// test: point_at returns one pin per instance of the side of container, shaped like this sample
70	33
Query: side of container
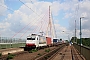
48	39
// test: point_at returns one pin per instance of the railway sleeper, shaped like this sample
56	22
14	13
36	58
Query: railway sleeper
48	55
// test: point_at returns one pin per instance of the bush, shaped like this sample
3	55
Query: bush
0	54
10	56
46	57
48	50
30	51
33	50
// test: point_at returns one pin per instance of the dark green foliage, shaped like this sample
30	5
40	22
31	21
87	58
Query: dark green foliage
85	41
30	51
33	50
72	39
0	54
46	57
10	56
47	50
78	41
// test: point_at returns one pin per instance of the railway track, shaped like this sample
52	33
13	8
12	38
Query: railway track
59	51
61	54
76	55
51	54
19	55
67	53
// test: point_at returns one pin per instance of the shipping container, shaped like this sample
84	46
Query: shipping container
48	39
42	39
55	40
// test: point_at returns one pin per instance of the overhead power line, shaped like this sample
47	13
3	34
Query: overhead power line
7	8
29	28
28	7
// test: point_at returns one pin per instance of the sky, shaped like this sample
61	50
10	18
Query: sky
19	18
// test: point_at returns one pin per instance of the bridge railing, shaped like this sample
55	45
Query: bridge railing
6	42
85	51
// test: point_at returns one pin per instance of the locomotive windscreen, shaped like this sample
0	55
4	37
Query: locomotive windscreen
31	38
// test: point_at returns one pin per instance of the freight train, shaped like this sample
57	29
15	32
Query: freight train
36	41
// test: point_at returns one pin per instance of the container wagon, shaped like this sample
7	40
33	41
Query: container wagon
55	41
49	42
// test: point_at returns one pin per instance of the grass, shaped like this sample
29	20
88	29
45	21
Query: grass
4	46
47	50
33	50
46	57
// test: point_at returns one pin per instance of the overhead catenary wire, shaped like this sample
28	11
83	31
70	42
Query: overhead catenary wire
7	8
53	26
19	30
38	27
45	22
27	24
23	27
27	30
76	16
44	25
29	7
42	22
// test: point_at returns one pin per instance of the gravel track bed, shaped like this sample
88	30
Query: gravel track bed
32	56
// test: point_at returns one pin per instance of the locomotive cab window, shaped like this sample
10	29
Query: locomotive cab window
28	38
31	38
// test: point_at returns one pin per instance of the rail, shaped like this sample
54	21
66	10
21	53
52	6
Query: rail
83	50
48	55
75	54
55	54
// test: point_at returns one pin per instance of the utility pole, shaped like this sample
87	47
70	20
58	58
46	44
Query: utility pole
75	32
80	31
80	35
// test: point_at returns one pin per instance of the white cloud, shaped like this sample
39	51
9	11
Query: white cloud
26	1
56	7
4	25
83	11
2	8
62	32
32	19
